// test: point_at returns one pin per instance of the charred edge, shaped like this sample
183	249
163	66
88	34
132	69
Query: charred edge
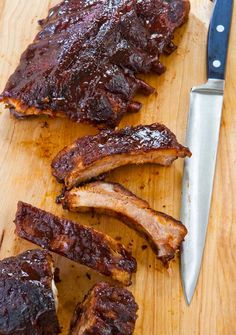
134	107
60	197
2	238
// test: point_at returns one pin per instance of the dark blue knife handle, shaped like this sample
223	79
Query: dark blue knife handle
218	38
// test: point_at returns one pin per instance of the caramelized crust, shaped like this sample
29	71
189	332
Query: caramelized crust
81	244
82	64
163	232
27	299
90	156
106	310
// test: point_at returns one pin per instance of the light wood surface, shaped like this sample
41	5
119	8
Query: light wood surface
27	147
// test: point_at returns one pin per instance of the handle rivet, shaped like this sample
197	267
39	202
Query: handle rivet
216	63
220	28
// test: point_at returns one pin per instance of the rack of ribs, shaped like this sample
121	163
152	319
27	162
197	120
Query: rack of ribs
106	310
91	156
163	232
28	295
83	62
79	243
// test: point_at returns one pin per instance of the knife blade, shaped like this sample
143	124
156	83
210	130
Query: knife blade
206	102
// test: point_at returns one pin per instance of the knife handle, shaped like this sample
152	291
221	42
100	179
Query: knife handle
218	38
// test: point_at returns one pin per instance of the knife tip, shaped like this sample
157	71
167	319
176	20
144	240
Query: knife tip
190	268
188	283
188	293
188	299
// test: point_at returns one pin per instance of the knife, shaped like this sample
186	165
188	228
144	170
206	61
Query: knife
206	102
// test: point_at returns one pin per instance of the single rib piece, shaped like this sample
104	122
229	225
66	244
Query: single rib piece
163	232
81	244
90	156
82	64
106	310
28	295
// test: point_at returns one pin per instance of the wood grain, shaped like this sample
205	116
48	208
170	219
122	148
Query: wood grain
27	147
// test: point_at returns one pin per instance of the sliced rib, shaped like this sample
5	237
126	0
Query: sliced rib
90	156
82	64
106	310
81	244
28	295
163	232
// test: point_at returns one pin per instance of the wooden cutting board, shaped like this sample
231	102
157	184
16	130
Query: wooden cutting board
27	147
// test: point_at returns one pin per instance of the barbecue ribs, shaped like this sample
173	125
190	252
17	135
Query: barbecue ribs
81	244
83	62
164	233
106	310
28	295
90	156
